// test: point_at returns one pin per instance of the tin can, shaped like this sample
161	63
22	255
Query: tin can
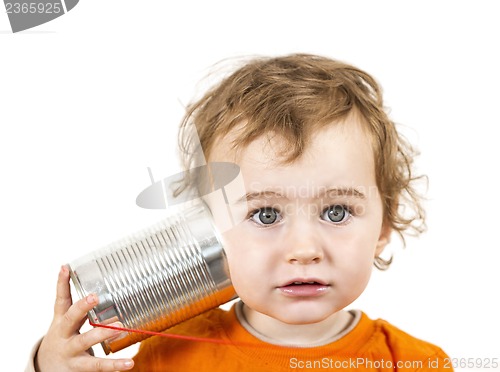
156	278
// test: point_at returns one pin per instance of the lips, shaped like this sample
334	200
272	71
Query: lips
301	281
304	287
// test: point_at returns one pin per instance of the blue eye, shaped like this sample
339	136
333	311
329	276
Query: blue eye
337	214
266	216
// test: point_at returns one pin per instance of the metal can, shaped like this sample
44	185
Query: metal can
157	278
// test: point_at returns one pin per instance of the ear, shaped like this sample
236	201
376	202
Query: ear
383	239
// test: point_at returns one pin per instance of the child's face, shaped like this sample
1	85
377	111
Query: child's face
317	220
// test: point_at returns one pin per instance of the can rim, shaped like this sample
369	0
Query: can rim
91	314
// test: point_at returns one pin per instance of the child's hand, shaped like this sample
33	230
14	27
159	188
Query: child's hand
64	348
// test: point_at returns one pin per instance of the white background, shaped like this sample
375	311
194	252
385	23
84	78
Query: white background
90	100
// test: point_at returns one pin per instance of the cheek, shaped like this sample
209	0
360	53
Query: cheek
355	245
246	275
250	261
353	259
242	256
247	249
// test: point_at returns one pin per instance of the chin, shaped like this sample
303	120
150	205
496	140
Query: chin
299	316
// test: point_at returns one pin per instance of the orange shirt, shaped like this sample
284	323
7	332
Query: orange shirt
372	345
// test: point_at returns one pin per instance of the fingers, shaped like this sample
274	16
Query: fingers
103	365
63	294
64	348
95	336
70	317
73	317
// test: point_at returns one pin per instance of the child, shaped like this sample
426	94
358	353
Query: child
325	172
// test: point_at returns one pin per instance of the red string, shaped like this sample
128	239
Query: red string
199	339
171	335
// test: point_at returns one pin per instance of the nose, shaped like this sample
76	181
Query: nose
304	246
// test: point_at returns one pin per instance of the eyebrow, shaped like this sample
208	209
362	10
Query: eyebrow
267	194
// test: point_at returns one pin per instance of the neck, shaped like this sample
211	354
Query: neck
274	331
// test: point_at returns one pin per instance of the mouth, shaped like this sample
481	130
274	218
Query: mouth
304	288
304	281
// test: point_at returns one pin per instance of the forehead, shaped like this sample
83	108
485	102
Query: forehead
337	155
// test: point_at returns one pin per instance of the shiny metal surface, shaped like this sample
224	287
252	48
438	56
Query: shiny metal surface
166	274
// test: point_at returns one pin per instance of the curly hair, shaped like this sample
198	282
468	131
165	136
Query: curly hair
295	95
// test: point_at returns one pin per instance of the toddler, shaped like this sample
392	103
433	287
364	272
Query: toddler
325	175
